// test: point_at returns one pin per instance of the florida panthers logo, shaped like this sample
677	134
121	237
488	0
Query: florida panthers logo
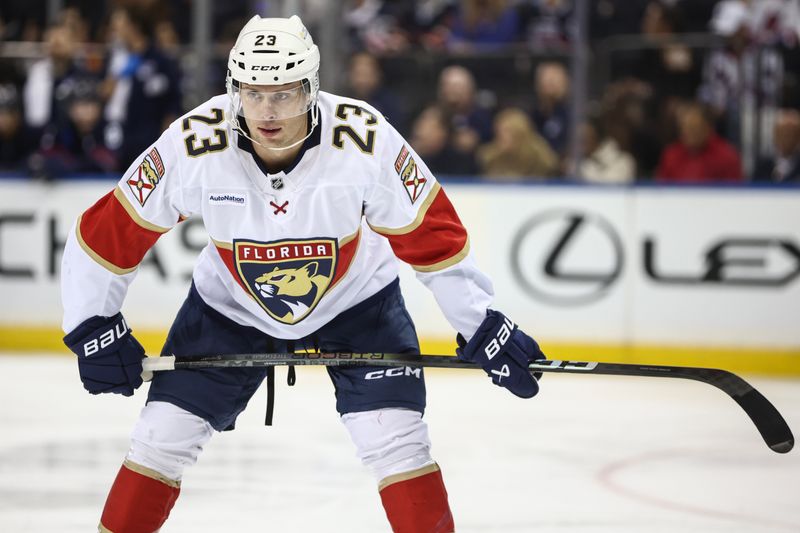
413	180
287	278
147	176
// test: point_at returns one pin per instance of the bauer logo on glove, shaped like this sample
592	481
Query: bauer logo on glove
106	339
109	358
503	351
500	339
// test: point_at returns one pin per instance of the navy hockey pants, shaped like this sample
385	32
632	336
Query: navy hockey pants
378	324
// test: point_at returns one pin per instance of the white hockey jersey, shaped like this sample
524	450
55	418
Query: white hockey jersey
287	252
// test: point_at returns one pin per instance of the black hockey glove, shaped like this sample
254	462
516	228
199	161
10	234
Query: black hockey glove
503	351
109	358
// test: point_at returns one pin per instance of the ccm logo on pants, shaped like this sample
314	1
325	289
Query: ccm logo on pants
395	372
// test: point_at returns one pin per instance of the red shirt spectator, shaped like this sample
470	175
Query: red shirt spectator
700	155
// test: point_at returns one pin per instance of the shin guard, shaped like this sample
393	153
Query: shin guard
139	501
416	502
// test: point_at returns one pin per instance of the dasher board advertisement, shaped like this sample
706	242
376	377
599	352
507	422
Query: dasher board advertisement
681	266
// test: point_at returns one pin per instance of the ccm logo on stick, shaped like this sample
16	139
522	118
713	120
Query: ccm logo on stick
395	372
500	339
106	339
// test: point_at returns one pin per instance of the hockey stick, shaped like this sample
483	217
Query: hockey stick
765	416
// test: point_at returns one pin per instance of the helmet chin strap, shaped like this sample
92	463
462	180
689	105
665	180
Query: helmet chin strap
314	121
275	148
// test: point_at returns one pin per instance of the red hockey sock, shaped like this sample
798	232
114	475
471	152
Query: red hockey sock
416	502
139	501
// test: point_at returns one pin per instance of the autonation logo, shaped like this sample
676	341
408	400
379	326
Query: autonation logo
227	199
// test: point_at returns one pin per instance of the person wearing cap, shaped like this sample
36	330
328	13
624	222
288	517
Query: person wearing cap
309	199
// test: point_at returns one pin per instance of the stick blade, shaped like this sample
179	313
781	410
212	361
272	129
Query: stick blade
768	421
783	447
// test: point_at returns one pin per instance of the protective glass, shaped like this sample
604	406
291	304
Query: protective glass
264	102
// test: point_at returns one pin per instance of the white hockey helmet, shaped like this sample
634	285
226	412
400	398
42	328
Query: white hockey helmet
273	51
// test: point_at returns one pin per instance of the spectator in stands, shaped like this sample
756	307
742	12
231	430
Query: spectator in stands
723	86
483	24
750	70
143	83
548	23
629	121
602	160
696	14
71	19
517	150
77	145
15	144
430	138
46	75
700	155
166	38
365	81
615	17
470	123
22	20
429	22
784	167
670	67
11	72
372	25
87	18
550	111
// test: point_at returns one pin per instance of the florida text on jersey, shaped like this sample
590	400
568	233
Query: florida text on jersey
287	251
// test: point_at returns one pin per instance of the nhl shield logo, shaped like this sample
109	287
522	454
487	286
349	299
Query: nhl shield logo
287	278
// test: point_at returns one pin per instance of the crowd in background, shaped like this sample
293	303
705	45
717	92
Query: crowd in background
480	88
84	109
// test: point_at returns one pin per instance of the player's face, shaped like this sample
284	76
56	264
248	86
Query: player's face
275	114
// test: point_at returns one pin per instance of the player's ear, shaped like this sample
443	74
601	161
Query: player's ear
311	269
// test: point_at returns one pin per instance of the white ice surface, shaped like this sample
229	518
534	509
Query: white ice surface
589	454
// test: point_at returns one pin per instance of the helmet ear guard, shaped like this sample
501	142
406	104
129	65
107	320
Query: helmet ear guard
273	51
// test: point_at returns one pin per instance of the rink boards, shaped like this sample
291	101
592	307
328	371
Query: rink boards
706	276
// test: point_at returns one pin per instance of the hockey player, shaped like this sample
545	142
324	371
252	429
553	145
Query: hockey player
307	198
